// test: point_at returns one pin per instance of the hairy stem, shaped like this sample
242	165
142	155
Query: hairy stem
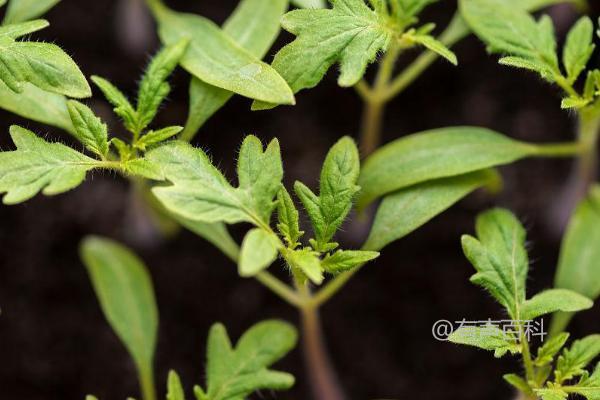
589	127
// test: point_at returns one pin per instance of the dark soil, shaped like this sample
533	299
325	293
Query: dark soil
55	343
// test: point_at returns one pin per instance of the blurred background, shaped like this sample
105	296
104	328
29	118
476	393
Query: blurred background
54	341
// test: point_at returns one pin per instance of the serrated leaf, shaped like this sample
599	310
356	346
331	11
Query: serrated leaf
307	262
578	48
553	300
574	359
154	87
552	393
25	10
288	218
234	373
122	106
45	65
499	256
550	349
574	102
174	388
254	25
259	250
155	137
486	338
434	154
588	386
434	45
125	292
214	57
345	260
37	165
406	210
579	262
89	129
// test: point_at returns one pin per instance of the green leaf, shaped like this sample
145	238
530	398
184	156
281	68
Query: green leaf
89	129
288	218
307	262
310	3
518	383
345	260
574	102
499	256
259	250
439	153
404	211
38	105
434	45
14	31
37	165
174	388
553	300
45	65
510	30
338	188
25	10
215	58
254	25
578	48
123	107
234	373
486	338
155	137
552	393
573	360
351	34
124	289
550	349
154	87
409	9
588	386
579	262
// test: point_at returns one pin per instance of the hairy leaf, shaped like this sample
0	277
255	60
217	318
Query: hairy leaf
310	3
89	129
155	137
259	250
122	106
288	218
574	359
486	338
553	300
25	10
306	261
37	165
518	383
174	388
234	373
434	45
124	289
345	260
550	349
578	48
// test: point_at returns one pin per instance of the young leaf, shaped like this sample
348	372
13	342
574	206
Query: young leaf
25	10
307	262
578	48
123	107
553	300
486	338
435	154
259	250
214	57
518	383
310	3
573	360
550	349
154	87
351	33
588	386
45	65
579	262
124	289
499	256
402	212
345	260
288	219
89	129
37	165
254	25
155	137
174	388
14	31
337	190
234	373
432	44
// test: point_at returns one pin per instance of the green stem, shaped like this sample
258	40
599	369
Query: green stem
280	289
146	377
559	150
589	128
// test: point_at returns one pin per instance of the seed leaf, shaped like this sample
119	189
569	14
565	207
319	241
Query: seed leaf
550	349
215	58
259	250
234	373
37	165
122	106
486	338
574	359
578	48
402	212
345	260
499	256
288	218
553	300
89	129
435	154
124	289
25	10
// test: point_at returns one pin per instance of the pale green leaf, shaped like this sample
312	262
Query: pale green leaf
553	300
254	25
122	106
174	388
345	260
574	359
89	129
588	386
143	168
310	3
578	48
486	338
259	250
215	58
155	137
550	349
234	373
574	102
552	393
124	289
435	154
434	45
409	9
499	256
25	10
307	262
518	383
404	211
288	219
37	165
